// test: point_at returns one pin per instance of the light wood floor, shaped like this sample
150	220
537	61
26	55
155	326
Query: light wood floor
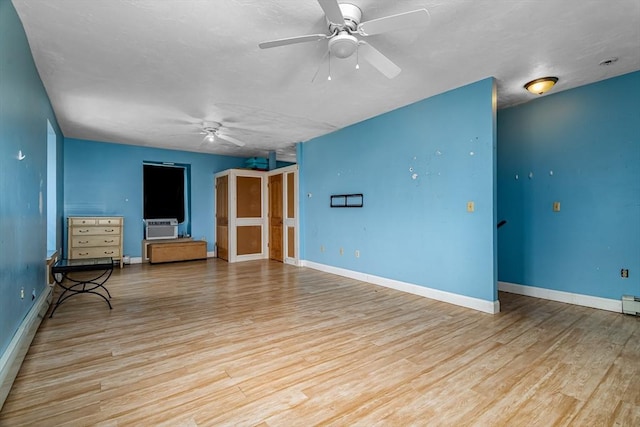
262	343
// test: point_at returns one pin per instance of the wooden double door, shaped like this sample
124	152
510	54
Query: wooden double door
257	215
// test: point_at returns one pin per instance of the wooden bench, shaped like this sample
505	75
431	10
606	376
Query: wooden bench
177	251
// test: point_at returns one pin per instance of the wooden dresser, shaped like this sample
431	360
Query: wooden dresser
95	237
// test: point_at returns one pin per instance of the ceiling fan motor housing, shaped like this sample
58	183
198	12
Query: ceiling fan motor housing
352	17
210	127
344	44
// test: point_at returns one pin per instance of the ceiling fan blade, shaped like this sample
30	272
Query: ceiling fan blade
292	40
378	60
332	11
232	140
401	21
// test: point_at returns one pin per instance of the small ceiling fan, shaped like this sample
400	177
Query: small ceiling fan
213	130
344	25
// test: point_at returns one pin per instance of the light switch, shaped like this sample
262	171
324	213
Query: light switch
556	206
471	207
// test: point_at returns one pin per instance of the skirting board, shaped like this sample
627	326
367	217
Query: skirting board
561	296
13	356
491	307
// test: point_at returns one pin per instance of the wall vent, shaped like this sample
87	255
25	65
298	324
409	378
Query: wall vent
631	305
161	228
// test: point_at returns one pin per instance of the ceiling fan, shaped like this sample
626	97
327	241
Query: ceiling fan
213	130
344	21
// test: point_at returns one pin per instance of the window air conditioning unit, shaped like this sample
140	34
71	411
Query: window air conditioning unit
161	228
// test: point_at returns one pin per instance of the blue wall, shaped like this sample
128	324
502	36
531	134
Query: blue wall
106	179
24	111
582	147
412	228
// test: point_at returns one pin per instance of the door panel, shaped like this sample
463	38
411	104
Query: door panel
276	217
291	207
249	200
249	239
222	217
291	242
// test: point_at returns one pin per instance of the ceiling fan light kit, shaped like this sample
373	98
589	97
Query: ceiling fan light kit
343	45
344	28
211	130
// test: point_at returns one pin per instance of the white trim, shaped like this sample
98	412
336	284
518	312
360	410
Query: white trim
561	296
285	169
491	307
13	356
249	257
293	261
211	254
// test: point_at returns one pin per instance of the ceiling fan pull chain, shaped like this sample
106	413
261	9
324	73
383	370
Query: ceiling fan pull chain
357	56
329	78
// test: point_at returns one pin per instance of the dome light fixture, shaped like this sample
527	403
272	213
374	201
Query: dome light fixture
540	86
343	45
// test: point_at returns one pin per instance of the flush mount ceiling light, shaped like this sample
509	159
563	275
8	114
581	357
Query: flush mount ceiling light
540	86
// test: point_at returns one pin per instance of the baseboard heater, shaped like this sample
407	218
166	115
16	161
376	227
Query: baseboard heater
161	228
631	305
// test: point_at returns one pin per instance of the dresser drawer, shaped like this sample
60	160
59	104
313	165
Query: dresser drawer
79	253
91	241
83	221
109	221
92	231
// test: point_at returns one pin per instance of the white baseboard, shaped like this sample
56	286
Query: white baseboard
211	254
561	296
13	356
491	307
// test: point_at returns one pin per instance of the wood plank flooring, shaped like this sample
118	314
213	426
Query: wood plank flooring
208	343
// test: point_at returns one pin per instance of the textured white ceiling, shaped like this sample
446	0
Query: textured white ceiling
148	72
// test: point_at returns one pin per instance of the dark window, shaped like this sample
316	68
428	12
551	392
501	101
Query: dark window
163	192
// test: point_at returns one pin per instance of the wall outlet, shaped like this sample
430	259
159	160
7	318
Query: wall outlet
21	293
33	294
624	273
321	248
357	253
341	251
